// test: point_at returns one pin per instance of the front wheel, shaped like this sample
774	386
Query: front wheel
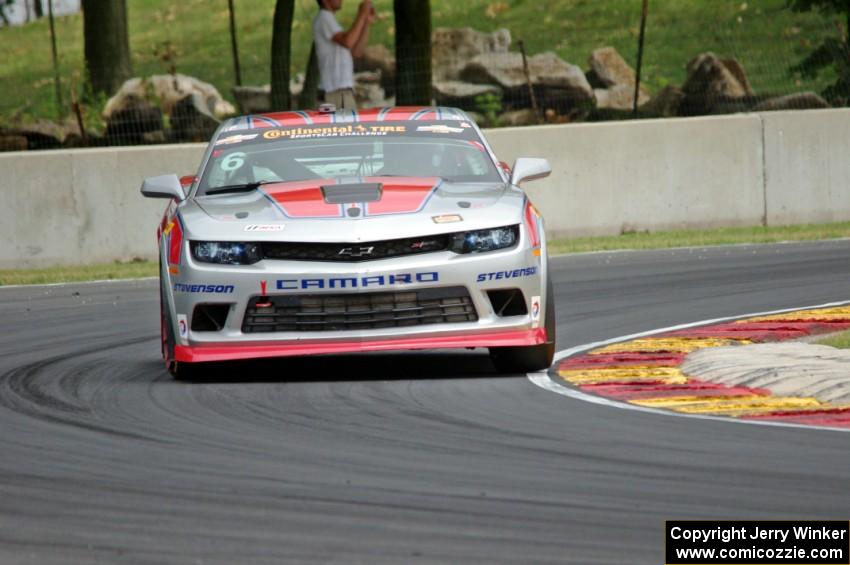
533	357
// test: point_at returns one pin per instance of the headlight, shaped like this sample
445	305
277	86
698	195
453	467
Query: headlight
484	240
225	252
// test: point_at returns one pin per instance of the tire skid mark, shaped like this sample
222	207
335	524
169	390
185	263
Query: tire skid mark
644	371
35	391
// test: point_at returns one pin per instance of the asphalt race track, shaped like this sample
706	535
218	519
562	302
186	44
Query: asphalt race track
403	458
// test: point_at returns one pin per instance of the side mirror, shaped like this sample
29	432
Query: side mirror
527	168
164	186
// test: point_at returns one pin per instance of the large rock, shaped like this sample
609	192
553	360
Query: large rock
368	91
13	142
619	97
253	99
713	82
525	117
40	134
462	95
167	91
135	118
665	103
557	84
191	119
610	69
453	48
616	80
375	58
798	101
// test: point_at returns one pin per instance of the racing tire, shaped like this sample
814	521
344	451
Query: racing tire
531	358
182	371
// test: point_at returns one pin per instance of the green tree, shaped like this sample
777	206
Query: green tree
413	52
106	44
833	52
281	54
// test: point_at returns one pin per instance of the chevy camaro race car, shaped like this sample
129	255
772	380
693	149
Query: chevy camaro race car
348	231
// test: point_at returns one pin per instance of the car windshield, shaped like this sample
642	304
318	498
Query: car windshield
450	150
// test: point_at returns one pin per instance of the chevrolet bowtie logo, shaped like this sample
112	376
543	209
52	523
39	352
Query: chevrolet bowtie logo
356	251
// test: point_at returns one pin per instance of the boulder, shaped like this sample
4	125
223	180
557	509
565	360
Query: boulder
129	124
368	91
40	134
525	117
665	104
556	82
453	48
712	81
253	99
375	58
610	68
191	119
619	97
616	80
13	143
462	94
166	91
258	99
798	101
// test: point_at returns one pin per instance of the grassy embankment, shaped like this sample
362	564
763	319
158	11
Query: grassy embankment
762	34
841	341
658	240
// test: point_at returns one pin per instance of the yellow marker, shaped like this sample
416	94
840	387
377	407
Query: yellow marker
666	375
841	313
730	405
670	344
168	228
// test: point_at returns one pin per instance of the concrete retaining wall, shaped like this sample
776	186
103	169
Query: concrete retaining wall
84	206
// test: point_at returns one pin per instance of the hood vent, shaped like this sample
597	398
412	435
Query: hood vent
355	192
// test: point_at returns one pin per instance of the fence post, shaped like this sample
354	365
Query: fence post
643	13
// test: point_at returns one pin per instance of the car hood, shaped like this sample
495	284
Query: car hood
362	209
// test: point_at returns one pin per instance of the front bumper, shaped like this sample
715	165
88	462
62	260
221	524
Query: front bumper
197	283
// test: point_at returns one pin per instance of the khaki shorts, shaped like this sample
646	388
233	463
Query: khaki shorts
342	99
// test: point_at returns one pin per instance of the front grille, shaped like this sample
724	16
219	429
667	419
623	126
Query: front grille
366	311
352	252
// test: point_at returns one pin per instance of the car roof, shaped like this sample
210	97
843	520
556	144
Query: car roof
368	115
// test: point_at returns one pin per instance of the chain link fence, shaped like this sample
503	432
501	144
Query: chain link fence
745	59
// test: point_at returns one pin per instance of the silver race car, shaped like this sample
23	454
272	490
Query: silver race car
347	231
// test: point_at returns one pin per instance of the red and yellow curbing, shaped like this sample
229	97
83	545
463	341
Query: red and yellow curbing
646	371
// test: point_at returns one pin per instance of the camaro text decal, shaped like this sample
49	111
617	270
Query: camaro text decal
358	282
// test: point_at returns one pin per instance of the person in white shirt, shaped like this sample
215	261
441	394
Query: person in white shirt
335	48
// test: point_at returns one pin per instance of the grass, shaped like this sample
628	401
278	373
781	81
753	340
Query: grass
659	240
841	340
698	238
762	34
132	270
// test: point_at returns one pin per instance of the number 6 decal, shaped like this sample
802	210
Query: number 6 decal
232	161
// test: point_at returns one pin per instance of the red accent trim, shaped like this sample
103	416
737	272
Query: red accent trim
522	338
531	222
175	241
285	119
304	199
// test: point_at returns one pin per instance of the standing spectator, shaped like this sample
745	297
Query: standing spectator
335	48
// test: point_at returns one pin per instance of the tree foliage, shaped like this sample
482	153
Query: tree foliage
413	52
281	54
